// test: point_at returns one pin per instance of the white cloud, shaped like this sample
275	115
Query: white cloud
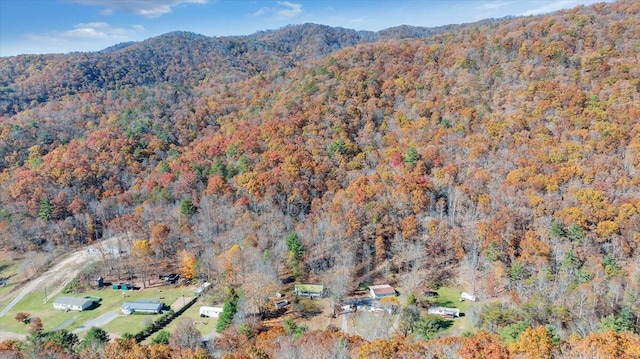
146	8
290	10
88	32
261	11
494	5
285	10
553	6
359	20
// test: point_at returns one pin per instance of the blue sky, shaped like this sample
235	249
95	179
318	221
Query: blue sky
61	26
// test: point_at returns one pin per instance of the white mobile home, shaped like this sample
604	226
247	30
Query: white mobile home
142	306
309	290
467	296
72	303
210	312
446	312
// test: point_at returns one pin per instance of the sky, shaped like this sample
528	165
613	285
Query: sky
62	26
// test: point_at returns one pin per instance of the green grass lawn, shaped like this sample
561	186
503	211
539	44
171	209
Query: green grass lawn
8	274
52	318
4	291
204	325
129	324
450	297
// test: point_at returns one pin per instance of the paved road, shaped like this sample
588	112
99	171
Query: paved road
65	324
97	322
210	336
344	322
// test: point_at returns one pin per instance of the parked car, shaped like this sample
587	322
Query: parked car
281	303
171	278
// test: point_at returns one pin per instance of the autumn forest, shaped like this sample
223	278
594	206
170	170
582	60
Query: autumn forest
502	157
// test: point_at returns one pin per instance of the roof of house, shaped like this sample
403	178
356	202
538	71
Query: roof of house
73	301
311	288
211	308
382	289
142	305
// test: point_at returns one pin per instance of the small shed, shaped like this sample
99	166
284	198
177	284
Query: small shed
72	303
203	287
382	291
210	312
142	306
309	290
445	312
122	286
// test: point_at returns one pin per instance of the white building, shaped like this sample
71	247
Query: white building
142	306
446	312
72	303
467	296
381	291
210	312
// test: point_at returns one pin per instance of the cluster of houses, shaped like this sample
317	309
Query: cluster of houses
85	303
311	291
318	291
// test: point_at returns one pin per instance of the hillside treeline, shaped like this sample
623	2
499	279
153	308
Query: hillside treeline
502	156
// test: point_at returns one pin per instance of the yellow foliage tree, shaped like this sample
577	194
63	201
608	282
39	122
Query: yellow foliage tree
379	349
605	229
534	250
229	261
188	265
141	248
484	345
534	343
409	227
610	344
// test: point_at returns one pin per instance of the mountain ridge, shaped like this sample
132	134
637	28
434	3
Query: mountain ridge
502	159
170	55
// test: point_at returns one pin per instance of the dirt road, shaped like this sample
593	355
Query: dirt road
59	275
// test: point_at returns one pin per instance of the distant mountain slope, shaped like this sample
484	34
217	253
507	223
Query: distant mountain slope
179	58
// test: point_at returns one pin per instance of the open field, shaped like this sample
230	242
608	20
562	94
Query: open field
111	301
129	324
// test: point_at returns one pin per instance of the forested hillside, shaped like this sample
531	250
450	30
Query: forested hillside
502	156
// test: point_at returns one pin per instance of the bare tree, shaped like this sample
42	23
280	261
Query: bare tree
186	336
370	325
